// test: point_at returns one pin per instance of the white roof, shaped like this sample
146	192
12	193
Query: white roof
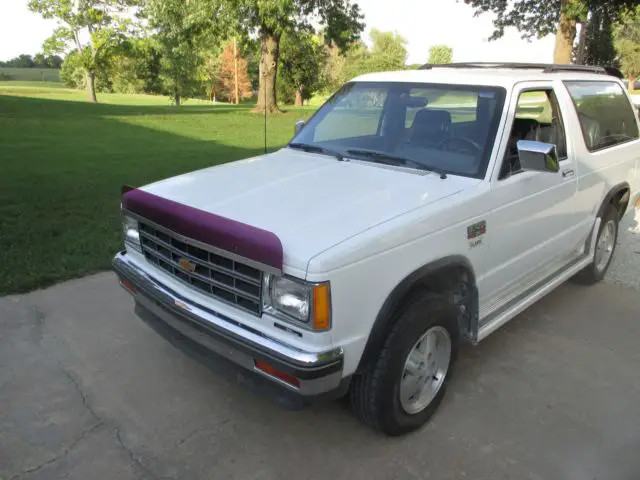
503	77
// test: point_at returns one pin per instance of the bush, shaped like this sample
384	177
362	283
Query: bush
72	73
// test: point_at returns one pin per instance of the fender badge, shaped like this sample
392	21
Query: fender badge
477	229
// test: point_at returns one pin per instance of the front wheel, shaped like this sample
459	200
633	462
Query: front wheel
604	249
402	390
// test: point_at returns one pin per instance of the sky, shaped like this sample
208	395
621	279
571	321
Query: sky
422	23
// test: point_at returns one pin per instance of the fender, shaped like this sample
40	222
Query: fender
613	191
385	318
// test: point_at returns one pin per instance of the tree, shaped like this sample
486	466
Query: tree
54	61
357	62
271	18
333	68
596	43
177	29
74	75
210	64
538	18
147	56
627	43
231	64
101	19
187	31
23	61
388	52
440	54
302	59
40	60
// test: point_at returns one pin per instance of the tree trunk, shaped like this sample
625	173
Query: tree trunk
298	102
235	71
565	34
91	87
582	43
269	54
177	99
632	81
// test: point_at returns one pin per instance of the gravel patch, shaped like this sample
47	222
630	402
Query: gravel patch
625	269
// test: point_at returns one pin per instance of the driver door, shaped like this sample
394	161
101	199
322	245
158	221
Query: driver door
531	225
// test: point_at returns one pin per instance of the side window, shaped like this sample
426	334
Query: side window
355	115
537	117
606	116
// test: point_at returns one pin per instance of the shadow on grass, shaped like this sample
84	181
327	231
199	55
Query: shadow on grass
62	167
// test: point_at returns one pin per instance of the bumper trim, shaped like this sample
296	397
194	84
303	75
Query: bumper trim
319	372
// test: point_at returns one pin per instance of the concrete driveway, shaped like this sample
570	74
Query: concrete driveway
87	391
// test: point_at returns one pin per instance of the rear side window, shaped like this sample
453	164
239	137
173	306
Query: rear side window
606	116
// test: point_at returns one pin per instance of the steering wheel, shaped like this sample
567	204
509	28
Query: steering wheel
466	141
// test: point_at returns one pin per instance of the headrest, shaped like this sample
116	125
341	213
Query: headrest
433	119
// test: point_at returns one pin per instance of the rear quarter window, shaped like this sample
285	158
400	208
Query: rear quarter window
606	116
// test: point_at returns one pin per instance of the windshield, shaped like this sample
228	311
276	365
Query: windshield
446	128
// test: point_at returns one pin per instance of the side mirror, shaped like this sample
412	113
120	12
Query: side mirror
538	156
298	126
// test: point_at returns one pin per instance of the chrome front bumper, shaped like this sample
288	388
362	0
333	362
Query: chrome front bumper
318	373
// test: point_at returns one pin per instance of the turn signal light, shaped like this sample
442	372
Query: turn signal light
321	307
127	285
274	372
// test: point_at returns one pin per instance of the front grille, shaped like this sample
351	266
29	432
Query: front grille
224	279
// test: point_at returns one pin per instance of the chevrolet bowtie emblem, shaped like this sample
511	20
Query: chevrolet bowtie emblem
187	265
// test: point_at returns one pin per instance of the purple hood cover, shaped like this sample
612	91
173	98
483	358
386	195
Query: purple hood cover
226	234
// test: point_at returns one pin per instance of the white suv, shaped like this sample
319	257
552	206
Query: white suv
414	211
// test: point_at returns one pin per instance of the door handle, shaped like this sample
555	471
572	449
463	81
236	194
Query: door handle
568	173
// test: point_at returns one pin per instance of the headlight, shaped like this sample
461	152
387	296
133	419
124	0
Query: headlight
130	232
291	299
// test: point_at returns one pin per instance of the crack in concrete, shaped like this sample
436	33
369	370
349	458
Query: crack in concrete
132	456
197	430
117	432
63	454
99	422
83	395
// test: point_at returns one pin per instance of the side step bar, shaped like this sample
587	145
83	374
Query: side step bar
539	290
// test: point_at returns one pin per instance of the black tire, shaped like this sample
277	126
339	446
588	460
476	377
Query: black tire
375	394
591	274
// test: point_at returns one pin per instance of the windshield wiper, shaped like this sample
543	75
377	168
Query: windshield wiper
307	147
389	159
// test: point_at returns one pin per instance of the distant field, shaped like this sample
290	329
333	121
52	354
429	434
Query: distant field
31	74
63	162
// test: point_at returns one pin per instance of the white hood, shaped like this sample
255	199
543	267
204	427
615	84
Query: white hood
310	201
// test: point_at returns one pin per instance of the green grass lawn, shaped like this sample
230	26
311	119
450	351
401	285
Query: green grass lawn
63	162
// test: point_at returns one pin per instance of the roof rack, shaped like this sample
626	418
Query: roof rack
545	67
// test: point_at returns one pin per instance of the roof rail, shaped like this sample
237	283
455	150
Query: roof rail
545	67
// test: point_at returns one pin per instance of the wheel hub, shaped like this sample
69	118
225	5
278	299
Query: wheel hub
605	245
425	369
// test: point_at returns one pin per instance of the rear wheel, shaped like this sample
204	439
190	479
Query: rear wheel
604	249
405	385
